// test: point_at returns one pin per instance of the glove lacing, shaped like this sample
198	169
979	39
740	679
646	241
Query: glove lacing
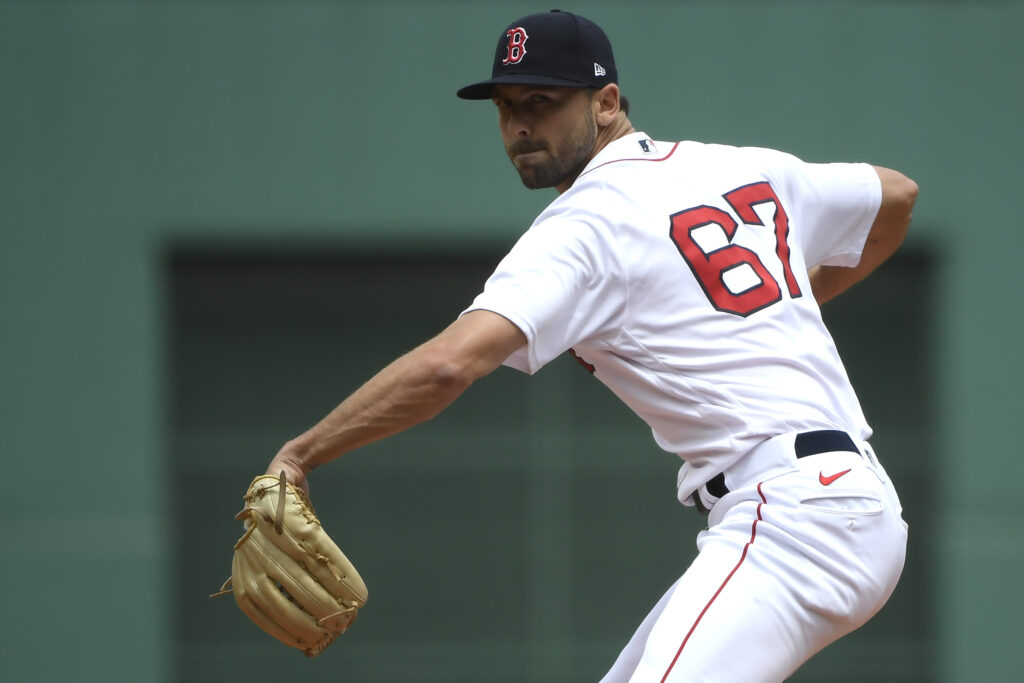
246	513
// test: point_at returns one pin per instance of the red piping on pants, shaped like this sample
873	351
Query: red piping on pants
743	556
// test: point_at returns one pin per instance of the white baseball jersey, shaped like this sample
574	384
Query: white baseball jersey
677	274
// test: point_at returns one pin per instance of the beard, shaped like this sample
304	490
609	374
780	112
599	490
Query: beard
563	162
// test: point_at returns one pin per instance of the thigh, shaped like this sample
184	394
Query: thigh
629	659
775	581
729	617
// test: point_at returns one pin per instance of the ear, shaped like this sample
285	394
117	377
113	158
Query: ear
606	104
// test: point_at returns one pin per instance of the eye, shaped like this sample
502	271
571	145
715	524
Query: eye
501	104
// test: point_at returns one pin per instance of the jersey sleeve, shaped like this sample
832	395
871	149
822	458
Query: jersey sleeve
831	206
557	286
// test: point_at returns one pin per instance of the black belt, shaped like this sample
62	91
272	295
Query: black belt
807	443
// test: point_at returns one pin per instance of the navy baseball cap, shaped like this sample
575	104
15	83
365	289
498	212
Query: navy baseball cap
550	49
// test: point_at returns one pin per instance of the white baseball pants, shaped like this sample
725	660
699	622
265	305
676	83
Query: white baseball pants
785	567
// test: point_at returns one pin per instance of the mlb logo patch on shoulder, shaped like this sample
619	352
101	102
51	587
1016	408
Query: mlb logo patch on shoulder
647	145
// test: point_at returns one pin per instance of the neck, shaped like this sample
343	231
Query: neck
619	127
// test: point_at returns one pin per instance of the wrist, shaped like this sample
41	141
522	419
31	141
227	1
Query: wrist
294	456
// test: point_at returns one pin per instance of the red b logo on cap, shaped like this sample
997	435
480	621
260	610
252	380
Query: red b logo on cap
516	46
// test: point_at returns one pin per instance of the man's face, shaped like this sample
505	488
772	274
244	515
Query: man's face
549	133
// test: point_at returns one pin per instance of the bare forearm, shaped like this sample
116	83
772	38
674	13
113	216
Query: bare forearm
411	390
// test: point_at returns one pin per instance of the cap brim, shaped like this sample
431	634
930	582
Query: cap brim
482	90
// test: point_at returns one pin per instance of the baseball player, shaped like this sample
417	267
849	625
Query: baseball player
687	278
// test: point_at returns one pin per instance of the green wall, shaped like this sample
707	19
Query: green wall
129	127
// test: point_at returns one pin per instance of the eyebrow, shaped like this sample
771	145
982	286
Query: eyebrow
552	91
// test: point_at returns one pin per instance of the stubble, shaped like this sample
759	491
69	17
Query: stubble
564	161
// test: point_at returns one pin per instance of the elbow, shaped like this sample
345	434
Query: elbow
899	194
905	196
452	377
908	197
446	373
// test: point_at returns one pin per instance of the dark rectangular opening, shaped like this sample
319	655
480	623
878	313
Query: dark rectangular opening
490	536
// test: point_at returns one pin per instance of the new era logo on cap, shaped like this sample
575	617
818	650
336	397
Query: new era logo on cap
553	49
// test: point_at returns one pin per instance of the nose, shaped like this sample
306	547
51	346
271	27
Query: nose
516	126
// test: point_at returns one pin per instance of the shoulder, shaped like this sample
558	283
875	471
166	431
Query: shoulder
578	219
579	231
636	159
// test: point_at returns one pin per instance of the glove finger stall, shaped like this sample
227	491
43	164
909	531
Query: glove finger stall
293	575
254	597
305	541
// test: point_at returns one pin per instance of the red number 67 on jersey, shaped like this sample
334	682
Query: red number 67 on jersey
728	285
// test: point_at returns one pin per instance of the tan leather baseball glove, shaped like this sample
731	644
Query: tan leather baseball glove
287	574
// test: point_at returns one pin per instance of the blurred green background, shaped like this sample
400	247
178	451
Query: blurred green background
218	218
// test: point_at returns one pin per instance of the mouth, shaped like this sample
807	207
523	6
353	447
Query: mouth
526	156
